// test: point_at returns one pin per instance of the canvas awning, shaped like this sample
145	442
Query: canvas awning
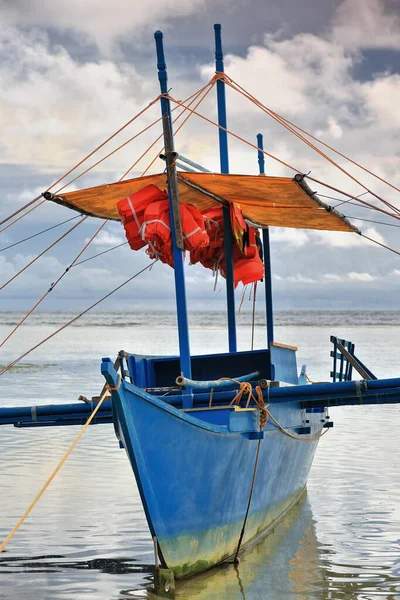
275	201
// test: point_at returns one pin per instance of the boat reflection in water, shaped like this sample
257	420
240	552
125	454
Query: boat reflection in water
285	564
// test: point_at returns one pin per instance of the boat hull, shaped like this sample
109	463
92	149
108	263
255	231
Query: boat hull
195	477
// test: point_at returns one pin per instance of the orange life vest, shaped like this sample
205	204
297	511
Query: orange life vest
156	230
132	211
210	256
145	216
247	264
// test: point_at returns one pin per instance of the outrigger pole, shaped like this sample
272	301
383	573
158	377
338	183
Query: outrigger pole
224	162
175	221
267	255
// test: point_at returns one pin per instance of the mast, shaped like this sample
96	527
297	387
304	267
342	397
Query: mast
224	162
176	227
267	255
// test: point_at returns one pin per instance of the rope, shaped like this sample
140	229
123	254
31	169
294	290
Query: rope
99	254
75	167
123	145
44	252
39	233
74	263
58	467
16	212
253	480
245	387
282	162
290	127
371	221
53	285
17	360
192	99
319	140
380	244
22	216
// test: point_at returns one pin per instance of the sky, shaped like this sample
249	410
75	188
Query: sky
71	73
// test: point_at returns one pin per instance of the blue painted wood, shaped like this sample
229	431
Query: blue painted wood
284	364
224	163
266	255
161	371
196	505
180	291
345	370
302	380
261	158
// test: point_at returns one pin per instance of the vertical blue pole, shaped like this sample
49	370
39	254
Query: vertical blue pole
224	162
183	328
267	255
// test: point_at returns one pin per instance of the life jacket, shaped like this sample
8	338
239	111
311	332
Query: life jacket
247	264
247	270
132	211
238	224
156	230
211	255
250	247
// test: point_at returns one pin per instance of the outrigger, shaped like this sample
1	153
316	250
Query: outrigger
221	445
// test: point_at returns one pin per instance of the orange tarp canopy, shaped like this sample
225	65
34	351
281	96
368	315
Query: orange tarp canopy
275	201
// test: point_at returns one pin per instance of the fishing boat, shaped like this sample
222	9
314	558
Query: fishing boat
221	445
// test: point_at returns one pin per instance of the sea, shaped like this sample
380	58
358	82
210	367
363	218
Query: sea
87	538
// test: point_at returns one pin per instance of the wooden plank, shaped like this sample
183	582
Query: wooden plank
353	361
279	345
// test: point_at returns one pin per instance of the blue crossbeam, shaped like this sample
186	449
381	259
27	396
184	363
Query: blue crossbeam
348	393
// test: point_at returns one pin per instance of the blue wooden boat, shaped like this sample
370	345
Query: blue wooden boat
221	445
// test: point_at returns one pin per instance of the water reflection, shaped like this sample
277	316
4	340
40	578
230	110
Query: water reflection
287	560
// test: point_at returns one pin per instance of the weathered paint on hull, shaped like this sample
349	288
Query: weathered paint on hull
194	478
188	546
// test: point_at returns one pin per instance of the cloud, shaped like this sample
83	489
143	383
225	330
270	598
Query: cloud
55	108
339	239
293	237
367	24
105	238
97	23
383	99
361	276
56	105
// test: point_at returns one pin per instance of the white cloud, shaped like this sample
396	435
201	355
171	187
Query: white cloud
331	277
341	239
367	24
293	237
91	21
54	108
105	238
383	98
361	276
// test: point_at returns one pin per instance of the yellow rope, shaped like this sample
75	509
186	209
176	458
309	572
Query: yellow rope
60	464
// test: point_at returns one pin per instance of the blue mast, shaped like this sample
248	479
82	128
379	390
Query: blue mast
267	255
224	162
176	228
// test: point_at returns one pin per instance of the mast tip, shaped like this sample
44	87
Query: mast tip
158	34
217	26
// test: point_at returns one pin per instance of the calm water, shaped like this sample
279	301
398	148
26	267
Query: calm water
87	538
